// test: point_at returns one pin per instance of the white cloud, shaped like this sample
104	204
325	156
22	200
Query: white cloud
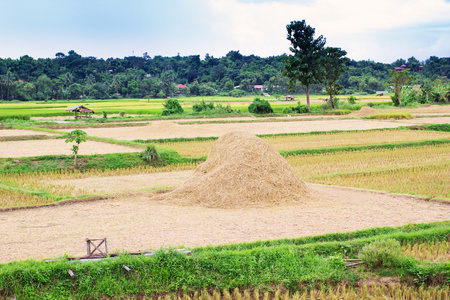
259	26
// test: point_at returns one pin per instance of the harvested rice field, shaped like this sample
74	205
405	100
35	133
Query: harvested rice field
293	142
58	147
136	222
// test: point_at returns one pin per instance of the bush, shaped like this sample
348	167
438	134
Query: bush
202	106
260	107
172	106
122	113
299	109
237	93
105	114
382	253
150	154
351	99
287	110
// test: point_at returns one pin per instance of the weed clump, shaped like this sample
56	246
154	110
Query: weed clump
382	253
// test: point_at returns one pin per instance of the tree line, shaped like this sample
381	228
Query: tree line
73	76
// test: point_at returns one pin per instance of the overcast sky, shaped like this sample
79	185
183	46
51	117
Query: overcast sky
382	30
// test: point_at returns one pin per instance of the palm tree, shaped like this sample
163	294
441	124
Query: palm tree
9	81
67	79
90	80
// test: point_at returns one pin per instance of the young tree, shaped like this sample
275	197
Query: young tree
398	80
78	136
304	65
334	64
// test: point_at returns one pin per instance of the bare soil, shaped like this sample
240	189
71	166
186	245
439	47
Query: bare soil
58	147
22	132
136	222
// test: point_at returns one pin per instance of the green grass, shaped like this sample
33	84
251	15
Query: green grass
292	264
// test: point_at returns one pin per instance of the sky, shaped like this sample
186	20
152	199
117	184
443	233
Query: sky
381	30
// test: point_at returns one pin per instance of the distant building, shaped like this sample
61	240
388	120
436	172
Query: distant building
401	68
290	98
258	88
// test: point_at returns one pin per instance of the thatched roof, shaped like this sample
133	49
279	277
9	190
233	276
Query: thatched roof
80	108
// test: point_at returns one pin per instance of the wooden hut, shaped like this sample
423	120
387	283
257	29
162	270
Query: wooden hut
290	98
80	111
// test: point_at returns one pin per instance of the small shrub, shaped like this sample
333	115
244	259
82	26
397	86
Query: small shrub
382	253
287	110
122	113
370	104
172	106
300	109
260	107
351	99
202	106
105	114
150	154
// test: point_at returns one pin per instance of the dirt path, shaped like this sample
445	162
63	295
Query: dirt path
135	222
169	129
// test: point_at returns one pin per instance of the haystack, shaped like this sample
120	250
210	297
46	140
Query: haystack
365	111
242	170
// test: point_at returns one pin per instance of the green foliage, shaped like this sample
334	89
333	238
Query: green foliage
122	113
351	99
202	106
395	116
314	261
305	64
78	136
399	79
105	114
150	154
259	106
438	127
382	253
172	106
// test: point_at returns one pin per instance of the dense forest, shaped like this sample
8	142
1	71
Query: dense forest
73	76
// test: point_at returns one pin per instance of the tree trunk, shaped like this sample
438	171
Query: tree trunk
307	98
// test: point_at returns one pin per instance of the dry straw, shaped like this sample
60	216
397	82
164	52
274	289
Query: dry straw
241	171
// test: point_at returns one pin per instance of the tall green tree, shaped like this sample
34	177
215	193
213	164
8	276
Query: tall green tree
398	80
334	64
305	63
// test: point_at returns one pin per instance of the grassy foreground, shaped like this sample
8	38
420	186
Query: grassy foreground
263	268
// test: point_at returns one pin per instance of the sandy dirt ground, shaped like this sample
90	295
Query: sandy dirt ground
20	132
58	147
435	120
127	183
136	222
168	129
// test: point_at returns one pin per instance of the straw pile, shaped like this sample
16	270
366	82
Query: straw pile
365	111
241	171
